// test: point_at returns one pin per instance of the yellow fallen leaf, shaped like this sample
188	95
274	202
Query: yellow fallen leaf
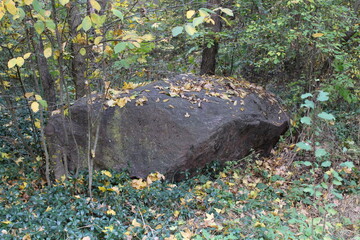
259	224
122	101
138	183
317	35
154	177
26	237
252	194
187	234
108	229
29	94
106	173
111	212
141	101
176	213
6	222
222	175
103	189
23	185
37	124
135	223
48	209
172	237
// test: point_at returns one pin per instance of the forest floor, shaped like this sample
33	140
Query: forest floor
269	198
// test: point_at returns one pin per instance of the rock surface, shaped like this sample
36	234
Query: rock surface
166	126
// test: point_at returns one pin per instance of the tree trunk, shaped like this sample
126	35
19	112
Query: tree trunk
78	65
47	82
208	61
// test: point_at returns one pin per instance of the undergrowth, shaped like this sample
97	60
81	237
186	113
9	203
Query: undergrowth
265	200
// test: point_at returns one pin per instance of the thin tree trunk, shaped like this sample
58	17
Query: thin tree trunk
78	65
208	61
47	82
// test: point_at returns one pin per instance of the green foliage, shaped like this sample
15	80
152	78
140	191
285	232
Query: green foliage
237	203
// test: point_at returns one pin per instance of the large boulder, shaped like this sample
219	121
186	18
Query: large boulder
166	126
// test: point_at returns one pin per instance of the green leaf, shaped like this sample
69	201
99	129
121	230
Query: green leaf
306	95
39	27
197	21
347	164
203	12
320	152
43	103
190	29
63	2
177	30
95	5
86	23
306	120
50	25
304	146
82	51
309	190
120	47
308	104
118	14
326	116
227	11
36	5
326	164
323	96
306	163
336	182
96	19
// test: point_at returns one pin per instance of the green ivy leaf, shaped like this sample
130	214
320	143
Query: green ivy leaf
306	163
306	120
336	182
177	30
304	146
347	164
306	95
309	190
323	96
326	116
320	152
86	23
308	104
326	164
